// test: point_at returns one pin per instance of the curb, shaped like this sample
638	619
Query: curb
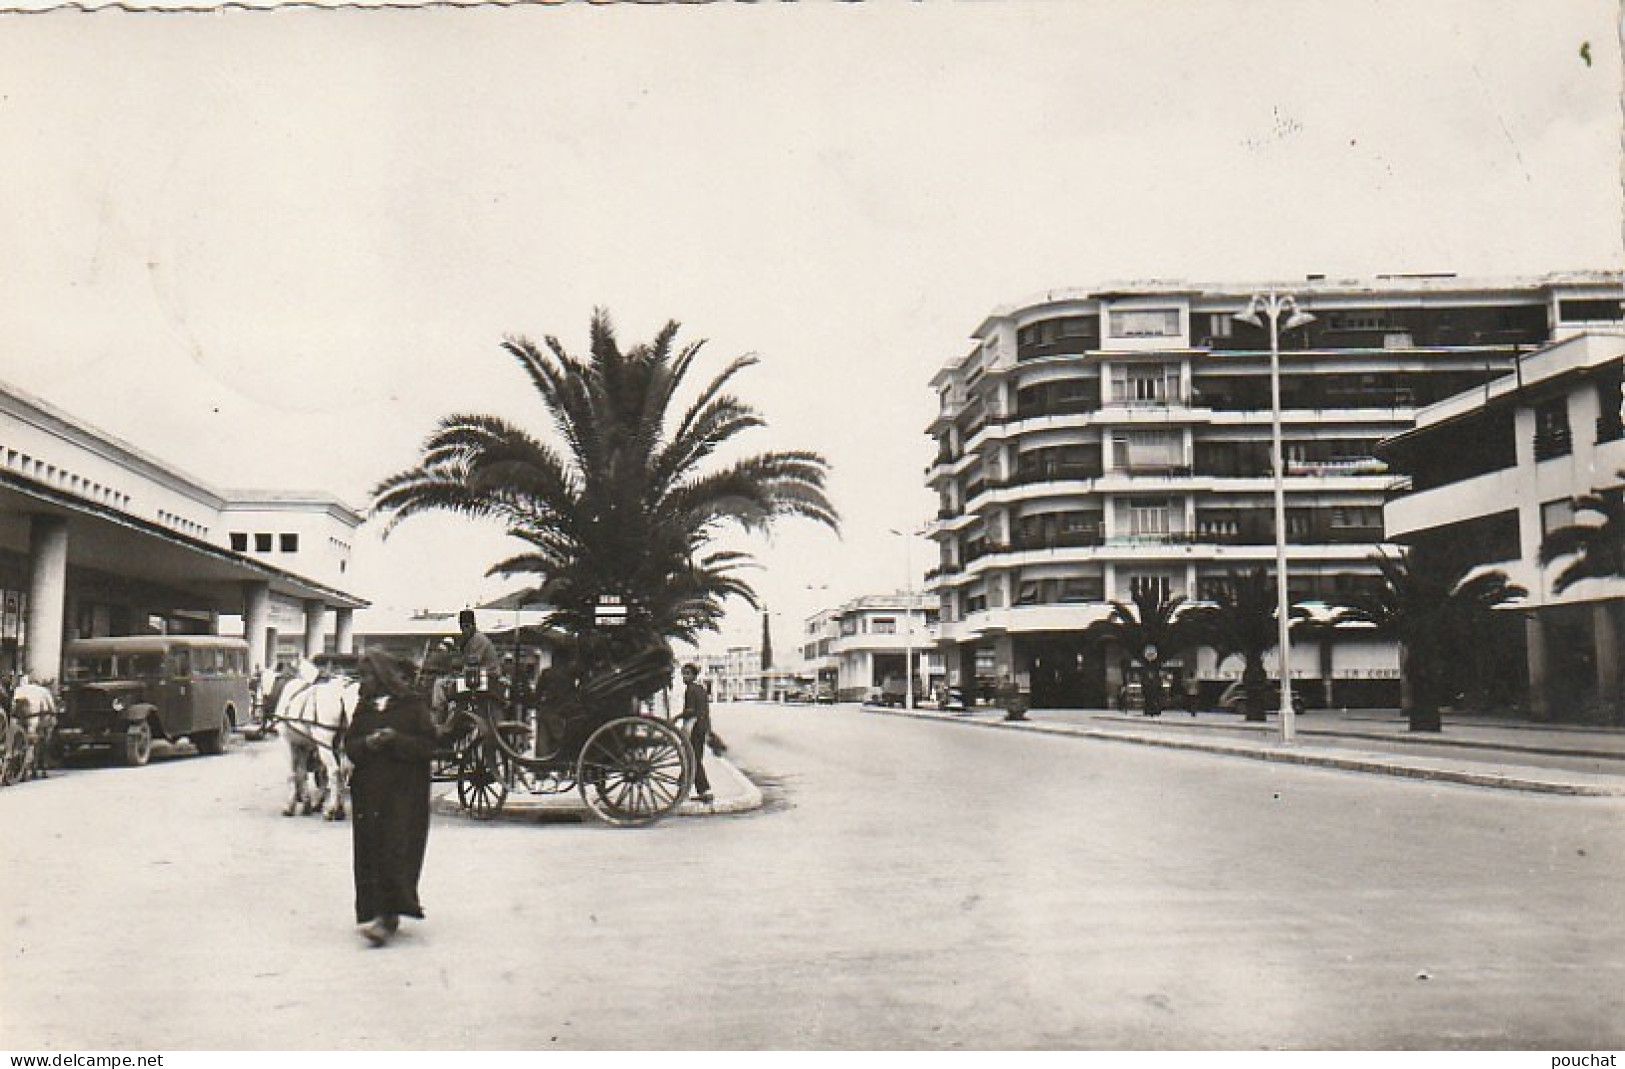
733	791
1382	764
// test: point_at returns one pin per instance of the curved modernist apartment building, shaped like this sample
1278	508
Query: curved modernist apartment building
1096	441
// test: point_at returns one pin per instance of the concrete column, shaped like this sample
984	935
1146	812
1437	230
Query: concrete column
257	623
315	617
344	630
1540	706
1607	635
47	597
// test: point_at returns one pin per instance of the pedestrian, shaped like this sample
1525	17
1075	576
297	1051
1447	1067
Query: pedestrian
390	742
1193	691
697	710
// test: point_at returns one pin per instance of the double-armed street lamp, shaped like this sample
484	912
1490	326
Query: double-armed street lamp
1272	306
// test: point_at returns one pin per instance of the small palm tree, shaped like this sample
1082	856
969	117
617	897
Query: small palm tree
1147	632
620	499
1239	621
1432	604
1598	549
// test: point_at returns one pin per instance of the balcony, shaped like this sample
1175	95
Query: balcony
1091	535
1056	473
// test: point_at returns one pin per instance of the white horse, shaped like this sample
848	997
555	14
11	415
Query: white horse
33	707
315	713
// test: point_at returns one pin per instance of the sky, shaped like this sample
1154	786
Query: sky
274	247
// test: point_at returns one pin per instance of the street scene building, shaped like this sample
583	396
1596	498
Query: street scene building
1097	442
1495	470
863	647
98	538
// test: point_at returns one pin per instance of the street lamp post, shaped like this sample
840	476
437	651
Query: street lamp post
1271	305
908	617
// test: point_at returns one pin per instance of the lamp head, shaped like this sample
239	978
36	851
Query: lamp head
1249	314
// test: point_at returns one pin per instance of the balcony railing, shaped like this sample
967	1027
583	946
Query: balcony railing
1337	466
1081	536
1558	442
1056	473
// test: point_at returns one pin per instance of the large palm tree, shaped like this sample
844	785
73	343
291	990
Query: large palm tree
1146	632
621	495
1598	549
1239	621
1433	605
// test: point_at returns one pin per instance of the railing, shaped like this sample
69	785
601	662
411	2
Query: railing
1337	466
1553	443
1091	536
1057	473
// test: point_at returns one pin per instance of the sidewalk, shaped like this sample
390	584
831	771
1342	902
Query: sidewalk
731	792
1480	751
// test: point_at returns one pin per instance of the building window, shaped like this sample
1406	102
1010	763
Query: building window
289	542
239	541
883	625
1590	311
262	543
1148	451
1144	384
1156	585
1145	323
1555	515
1148	516
1552	437
1220	325
1372	319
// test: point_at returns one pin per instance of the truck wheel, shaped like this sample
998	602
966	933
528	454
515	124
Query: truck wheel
137	745
210	743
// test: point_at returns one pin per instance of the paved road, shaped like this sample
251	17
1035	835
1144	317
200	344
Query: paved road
910	885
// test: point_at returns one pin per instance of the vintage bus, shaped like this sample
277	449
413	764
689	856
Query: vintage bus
125	692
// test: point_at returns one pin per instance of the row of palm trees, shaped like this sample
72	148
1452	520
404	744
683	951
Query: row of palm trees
1439	609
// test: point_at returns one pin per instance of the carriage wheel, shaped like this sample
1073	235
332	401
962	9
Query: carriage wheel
448	763
482	781
634	770
13	754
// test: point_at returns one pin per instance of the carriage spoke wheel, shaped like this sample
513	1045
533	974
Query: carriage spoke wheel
447	763
635	770
482	783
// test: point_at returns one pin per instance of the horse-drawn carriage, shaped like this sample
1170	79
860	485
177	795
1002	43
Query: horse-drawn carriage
498	739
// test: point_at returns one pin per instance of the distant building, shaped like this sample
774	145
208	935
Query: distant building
1096	442
1494	470
100	538
863	645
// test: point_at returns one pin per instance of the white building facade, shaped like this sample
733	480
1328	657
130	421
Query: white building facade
1096	442
1494	471
99	538
863	647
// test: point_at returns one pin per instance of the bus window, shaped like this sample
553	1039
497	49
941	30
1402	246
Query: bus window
181	663
144	665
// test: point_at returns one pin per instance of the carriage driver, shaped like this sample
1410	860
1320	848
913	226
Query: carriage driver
476	650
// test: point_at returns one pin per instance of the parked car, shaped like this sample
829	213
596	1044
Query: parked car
1231	699
123	693
952	700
